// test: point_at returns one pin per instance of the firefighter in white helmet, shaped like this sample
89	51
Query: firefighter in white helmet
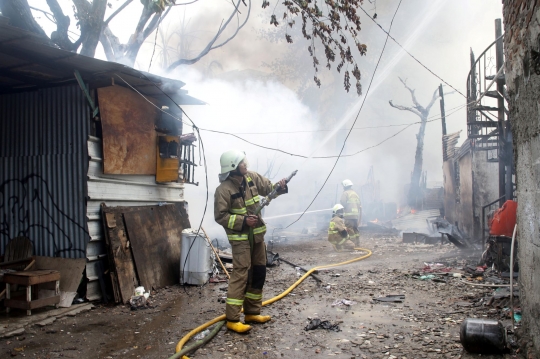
235	202
352	212
337	231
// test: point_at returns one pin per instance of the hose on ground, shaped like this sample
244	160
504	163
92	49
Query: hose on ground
199	343
267	302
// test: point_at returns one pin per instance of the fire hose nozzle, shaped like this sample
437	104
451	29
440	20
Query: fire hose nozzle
265	201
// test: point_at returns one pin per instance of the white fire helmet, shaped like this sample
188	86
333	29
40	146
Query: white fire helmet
337	207
347	183
230	160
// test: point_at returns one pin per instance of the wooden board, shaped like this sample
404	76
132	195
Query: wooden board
155	234
129	135
123	275
71	270
38	303
31	277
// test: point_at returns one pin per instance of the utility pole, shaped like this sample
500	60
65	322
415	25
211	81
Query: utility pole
500	115
443	118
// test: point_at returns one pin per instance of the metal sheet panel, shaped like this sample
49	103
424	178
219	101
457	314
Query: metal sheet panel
416	221
116	190
43	164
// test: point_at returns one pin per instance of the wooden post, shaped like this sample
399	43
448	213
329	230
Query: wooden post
28	298
216	253
443	118
8	295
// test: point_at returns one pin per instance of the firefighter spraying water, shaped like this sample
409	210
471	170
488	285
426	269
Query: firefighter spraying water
238	201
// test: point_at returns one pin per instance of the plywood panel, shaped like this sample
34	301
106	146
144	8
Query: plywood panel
123	273
155	235
71	270
129	136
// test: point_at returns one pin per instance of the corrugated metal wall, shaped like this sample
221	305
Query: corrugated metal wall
43	165
52	181
116	190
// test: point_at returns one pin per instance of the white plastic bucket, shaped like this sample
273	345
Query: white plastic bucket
195	259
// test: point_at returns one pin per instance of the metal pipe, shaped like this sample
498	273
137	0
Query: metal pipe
512	276
297	266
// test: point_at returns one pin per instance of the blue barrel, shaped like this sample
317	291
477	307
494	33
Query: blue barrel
483	336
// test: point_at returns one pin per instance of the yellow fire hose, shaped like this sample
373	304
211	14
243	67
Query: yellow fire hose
267	302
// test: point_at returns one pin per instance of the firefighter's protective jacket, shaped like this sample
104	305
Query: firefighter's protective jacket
238	197
337	232
351	202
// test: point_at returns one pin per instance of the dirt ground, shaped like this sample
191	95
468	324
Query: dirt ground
424	325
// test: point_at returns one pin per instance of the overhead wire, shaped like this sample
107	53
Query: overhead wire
408	53
198	129
333	156
354	122
435	117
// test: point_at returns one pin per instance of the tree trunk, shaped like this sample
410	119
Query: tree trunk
20	15
415	192
91	18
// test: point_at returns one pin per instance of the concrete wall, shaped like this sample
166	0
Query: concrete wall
464	209
522	36
449	191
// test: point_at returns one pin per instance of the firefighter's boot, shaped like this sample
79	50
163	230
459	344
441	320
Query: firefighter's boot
257	318
238	327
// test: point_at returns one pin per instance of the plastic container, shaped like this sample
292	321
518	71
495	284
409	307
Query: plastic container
482	336
195	258
139	291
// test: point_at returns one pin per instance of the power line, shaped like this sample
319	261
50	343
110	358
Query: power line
436	117
408	53
356	119
325	157
197	129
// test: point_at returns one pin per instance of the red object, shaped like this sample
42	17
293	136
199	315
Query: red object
504	220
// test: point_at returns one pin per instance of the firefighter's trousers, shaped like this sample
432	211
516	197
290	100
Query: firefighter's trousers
247	278
352	229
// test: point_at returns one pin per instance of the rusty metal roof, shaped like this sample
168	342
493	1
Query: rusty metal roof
449	145
28	61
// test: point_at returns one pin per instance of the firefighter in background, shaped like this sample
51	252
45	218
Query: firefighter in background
337	231
235	201
353	211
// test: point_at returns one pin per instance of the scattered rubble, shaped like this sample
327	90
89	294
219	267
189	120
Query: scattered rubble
425	323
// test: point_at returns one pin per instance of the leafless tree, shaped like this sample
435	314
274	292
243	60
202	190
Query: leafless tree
414	194
332	28
94	27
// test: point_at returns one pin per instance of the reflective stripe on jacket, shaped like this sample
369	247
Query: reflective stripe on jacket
335	228
351	202
232	202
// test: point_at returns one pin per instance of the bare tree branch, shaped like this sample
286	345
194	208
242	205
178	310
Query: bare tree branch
140	35
404	108
106	22
60	36
237	29
111	44
433	98
210	46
